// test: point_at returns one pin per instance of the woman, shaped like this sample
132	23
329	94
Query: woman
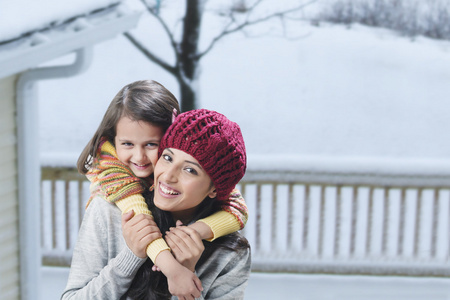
201	156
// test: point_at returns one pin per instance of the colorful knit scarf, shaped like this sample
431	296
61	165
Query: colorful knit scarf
110	178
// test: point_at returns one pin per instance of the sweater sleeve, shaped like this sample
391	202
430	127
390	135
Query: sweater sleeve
102	266
115	182
231	218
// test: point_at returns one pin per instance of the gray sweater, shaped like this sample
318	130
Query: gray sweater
103	267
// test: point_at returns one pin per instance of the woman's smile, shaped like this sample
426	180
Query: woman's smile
167	192
181	183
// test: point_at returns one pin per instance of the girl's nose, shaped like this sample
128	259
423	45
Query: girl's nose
139	155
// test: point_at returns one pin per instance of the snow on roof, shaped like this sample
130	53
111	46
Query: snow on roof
67	35
22	17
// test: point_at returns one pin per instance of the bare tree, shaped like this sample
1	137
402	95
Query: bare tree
239	15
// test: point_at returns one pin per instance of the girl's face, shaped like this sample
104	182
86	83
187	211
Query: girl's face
137	145
181	184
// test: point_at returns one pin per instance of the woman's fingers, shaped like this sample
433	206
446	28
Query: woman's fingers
189	236
126	217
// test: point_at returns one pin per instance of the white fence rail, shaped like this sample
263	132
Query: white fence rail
390	219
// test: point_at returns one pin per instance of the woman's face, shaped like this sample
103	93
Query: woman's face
181	184
137	145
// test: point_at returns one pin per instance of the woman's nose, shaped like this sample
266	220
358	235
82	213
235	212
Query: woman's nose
170	174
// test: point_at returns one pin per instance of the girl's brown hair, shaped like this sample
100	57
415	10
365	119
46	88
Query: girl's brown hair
144	100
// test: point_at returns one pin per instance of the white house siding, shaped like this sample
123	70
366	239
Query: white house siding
9	231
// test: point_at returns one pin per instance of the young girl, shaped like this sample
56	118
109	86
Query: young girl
133	126
202	158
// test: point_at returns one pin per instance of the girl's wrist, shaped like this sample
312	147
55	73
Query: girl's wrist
202	229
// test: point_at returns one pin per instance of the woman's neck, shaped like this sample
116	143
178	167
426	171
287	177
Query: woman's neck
184	216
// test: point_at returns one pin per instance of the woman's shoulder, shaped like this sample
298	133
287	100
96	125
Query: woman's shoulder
225	272
100	204
102	213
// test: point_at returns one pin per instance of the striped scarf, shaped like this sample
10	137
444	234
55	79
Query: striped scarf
110	178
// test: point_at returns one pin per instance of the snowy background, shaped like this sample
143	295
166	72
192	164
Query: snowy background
332	94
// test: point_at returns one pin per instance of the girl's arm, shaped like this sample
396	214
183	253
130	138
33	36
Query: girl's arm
232	217
115	182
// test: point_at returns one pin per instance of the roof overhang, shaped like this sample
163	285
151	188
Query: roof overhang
42	46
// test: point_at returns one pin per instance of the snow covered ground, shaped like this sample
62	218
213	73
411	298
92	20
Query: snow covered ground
309	287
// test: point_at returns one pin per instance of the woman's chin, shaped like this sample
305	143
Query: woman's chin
161	203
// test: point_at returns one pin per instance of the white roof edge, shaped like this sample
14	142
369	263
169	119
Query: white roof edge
84	31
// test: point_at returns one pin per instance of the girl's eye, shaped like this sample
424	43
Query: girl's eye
127	144
167	157
152	145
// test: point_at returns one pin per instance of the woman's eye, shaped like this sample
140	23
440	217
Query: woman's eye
127	144
152	145
167	157
192	171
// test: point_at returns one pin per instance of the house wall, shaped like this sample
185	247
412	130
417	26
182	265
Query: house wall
9	230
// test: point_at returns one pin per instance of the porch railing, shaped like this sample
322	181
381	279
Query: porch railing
309	216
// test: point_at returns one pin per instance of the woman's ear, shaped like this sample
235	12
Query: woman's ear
212	194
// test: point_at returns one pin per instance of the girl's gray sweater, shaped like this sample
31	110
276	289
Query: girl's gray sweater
103	267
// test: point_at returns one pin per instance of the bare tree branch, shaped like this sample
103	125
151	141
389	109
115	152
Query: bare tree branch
172	70
166	28
252	8
226	31
185	68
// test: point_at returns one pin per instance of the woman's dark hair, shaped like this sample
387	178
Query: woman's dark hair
144	100
148	284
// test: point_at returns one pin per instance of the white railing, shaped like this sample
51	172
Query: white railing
311	216
63	200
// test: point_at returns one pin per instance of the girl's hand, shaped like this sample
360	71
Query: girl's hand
139	231
186	245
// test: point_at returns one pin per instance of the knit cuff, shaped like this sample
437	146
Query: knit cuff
139	206
135	202
156	247
221	224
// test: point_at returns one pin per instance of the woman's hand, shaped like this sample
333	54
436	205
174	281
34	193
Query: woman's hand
184	284
186	245
139	231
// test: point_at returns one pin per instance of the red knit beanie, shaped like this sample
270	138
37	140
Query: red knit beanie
214	141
